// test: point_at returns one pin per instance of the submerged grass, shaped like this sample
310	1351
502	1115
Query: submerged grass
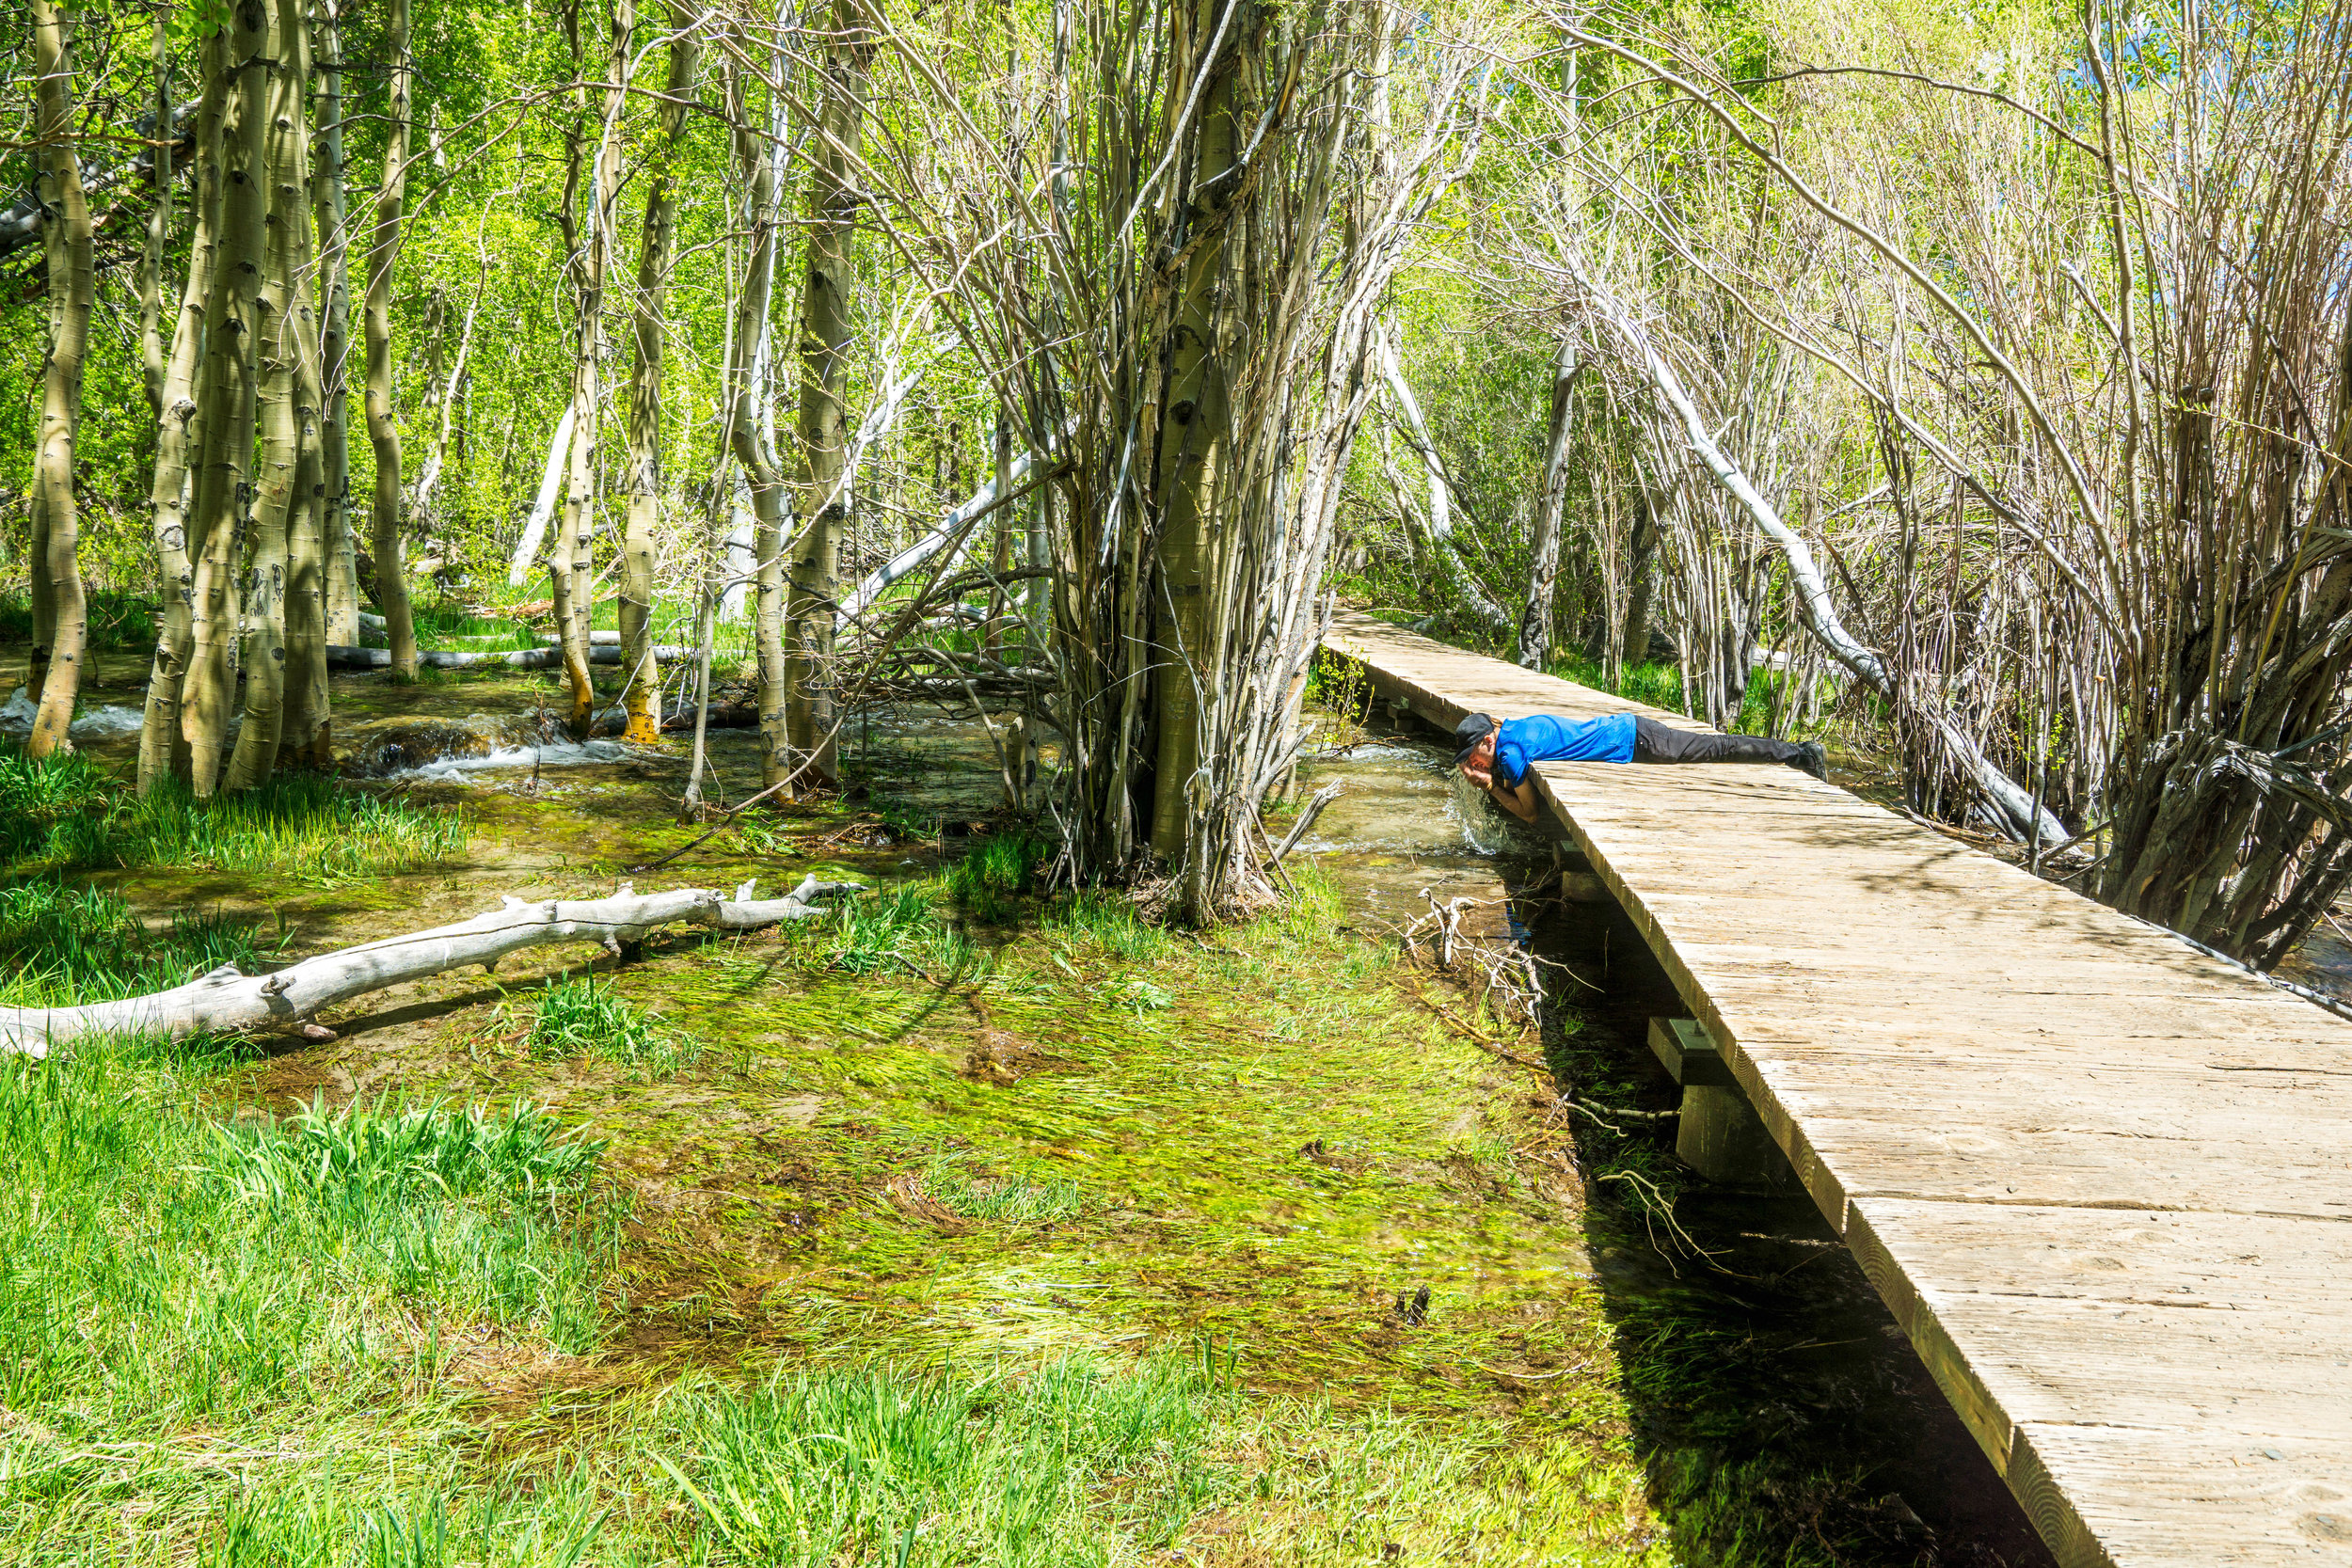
1000	1200
1119	1146
67	814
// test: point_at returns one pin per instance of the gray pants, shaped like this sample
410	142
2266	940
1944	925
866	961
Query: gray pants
1656	742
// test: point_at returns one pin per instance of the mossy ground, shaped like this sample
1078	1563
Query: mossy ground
1050	1173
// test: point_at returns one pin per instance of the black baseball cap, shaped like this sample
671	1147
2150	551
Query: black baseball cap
1469	732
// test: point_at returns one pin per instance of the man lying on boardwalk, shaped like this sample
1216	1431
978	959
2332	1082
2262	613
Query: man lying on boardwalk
1495	757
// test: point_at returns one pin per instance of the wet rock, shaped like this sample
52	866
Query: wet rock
383	746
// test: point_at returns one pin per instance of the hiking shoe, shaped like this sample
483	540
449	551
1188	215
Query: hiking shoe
1813	760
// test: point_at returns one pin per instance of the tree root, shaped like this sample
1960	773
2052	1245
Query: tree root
226	1001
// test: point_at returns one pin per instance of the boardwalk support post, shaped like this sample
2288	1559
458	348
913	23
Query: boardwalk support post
1721	1137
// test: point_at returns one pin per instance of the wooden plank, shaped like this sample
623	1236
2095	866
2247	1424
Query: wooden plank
2103	1180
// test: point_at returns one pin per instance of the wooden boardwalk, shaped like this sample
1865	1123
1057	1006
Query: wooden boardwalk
2104	1182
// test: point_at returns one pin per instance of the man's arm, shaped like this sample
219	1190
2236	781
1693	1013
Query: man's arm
1519	799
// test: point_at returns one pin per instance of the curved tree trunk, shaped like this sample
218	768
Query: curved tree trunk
1535	639
180	442
640	690
226	1001
824	379
70	289
391	583
2019	811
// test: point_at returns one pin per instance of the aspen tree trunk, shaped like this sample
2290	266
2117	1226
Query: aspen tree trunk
824	377
70	289
308	735
1544	572
180	440
392	585
283	642
572	562
231	344
1193	441
265	579
151	351
747	431
333	291
641	690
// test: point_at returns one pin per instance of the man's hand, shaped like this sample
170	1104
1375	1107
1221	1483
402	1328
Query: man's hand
1483	777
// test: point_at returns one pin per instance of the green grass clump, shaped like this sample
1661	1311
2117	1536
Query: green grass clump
60	811
363	1154
1652	685
899	930
1072	1464
119	622
67	814
161	1276
1107	925
447	625
297	826
1006	1200
62	945
585	1018
996	872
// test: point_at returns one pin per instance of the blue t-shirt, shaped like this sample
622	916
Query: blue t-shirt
1544	738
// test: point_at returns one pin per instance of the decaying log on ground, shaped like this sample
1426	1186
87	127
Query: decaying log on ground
345	657
225	1001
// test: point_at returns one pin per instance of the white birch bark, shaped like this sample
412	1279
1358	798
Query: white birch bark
542	503
1439	526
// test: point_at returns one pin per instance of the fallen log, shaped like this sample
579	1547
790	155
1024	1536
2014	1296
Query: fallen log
226	1001
343	656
